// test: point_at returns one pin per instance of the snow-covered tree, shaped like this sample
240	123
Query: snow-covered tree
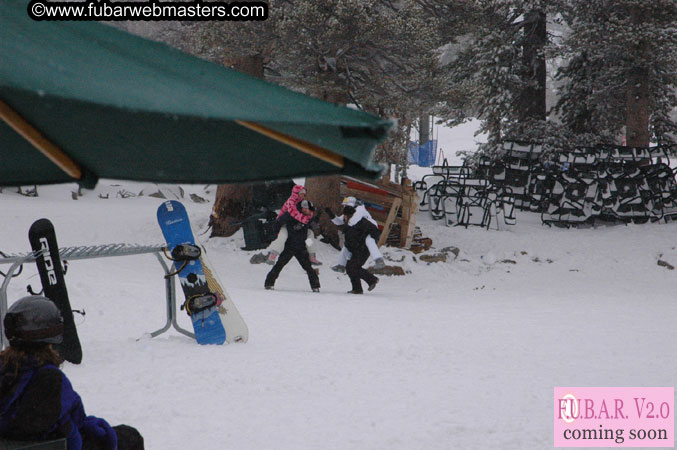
498	71
377	55
622	56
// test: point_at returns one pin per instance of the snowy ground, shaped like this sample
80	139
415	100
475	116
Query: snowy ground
461	354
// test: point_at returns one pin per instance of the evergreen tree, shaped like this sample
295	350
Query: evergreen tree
379	56
499	73
621	58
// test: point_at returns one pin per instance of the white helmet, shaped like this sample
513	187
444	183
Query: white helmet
349	201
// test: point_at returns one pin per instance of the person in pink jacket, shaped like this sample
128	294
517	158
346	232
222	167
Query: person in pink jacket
298	193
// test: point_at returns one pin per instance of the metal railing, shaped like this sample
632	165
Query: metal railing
90	252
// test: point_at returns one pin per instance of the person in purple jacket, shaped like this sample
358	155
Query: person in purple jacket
37	401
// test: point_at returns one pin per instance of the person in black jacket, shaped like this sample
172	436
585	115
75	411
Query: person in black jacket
37	401
355	242
295	246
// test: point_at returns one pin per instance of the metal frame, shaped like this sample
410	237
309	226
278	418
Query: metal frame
97	251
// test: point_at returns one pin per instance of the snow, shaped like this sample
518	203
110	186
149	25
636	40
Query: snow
451	140
456	354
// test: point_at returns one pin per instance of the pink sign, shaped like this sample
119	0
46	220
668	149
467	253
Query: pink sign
614	417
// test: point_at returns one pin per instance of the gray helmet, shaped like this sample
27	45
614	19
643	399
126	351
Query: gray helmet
33	319
305	204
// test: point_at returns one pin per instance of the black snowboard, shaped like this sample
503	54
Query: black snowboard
42	237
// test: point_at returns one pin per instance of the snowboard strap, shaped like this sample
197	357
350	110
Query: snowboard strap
30	290
183	253
171	274
200	302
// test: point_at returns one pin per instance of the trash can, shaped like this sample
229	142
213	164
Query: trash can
259	230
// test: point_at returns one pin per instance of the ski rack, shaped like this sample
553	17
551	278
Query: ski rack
90	252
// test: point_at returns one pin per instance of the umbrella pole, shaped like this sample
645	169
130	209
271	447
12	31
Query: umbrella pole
40	142
306	147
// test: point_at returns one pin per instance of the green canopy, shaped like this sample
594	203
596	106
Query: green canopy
102	103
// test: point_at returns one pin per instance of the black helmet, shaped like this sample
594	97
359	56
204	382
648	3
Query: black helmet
34	319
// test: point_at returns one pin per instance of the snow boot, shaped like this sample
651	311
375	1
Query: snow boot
316	289
355	292
314	261
339	268
379	263
372	285
272	258
270	287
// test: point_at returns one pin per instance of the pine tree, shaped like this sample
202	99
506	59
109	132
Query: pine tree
499	73
621	58
378	56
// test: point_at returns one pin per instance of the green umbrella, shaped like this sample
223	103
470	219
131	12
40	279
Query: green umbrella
81	101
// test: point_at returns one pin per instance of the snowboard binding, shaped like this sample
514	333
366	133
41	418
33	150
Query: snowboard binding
200	302
182	253
185	252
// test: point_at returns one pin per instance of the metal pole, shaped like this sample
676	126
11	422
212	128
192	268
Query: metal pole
3	301
170	286
168	305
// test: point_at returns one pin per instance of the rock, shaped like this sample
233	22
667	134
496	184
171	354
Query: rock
437	257
387	270
509	261
157	194
455	250
421	245
197	199
665	264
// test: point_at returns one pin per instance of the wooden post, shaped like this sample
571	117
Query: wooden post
389	221
409	213
406	214
411	224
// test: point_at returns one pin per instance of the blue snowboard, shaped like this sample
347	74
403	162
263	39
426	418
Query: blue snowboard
176	229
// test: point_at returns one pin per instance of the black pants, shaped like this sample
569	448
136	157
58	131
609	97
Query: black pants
302	257
357	273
